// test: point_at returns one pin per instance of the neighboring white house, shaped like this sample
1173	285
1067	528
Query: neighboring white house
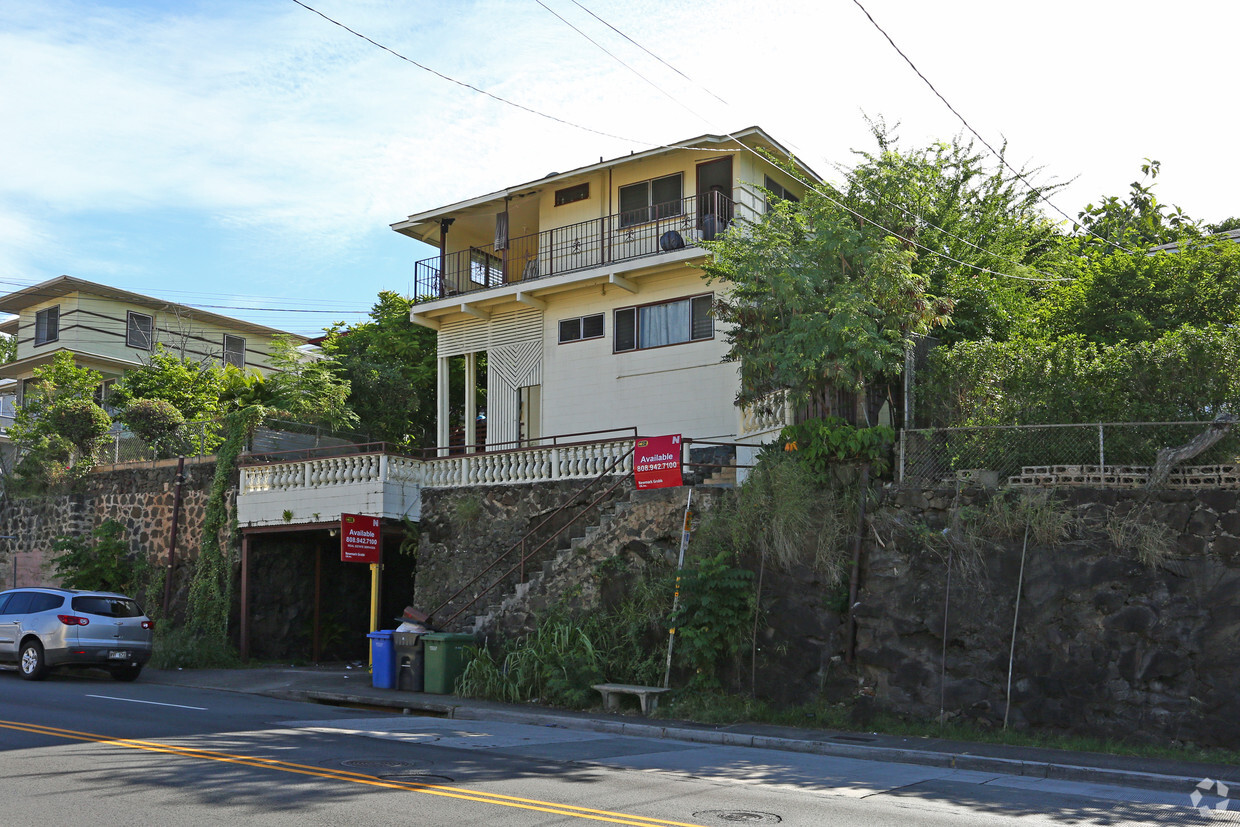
113	330
585	292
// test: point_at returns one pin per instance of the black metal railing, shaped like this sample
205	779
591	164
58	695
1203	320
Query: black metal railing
648	231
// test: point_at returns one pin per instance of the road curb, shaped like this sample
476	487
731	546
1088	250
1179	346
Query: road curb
947	760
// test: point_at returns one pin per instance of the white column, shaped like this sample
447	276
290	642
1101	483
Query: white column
471	400
441	397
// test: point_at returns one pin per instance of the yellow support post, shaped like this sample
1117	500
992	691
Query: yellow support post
374	605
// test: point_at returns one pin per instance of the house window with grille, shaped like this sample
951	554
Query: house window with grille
651	200
234	351
47	325
665	323
582	327
140	330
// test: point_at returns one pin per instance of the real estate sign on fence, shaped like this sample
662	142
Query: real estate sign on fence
656	462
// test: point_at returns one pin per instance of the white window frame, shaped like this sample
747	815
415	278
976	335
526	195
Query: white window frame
625	318
131	340
234	352
41	318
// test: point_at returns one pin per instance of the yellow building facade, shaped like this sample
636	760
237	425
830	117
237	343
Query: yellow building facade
585	292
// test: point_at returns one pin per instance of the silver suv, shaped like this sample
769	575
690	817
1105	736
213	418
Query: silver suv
41	629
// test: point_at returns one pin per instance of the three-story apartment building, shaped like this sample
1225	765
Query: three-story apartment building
585	292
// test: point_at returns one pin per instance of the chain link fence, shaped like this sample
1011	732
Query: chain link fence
201	438
1109	453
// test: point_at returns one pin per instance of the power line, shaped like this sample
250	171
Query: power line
978	135
652	54
810	185
616	58
469	86
496	97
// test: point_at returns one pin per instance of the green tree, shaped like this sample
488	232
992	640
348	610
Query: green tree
814	302
193	388
101	561
59	425
1138	297
1138	221
965	218
390	364
307	387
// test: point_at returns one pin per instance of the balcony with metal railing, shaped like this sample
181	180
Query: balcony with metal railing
654	230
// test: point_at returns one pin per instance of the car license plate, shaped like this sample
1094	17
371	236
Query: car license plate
118	654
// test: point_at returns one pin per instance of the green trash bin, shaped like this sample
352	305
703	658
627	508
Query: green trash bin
445	655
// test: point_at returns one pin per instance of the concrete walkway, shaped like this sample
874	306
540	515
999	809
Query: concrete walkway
351	686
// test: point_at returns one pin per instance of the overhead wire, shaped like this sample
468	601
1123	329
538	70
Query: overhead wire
811	185
652	54
619	60
1036	190
528	109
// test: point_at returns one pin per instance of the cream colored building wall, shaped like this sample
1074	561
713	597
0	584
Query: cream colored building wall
683	388
98	325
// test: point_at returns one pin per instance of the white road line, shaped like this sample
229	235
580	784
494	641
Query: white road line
152	703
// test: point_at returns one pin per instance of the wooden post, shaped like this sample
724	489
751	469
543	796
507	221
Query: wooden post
172	540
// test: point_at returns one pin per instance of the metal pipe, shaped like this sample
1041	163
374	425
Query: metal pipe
172	539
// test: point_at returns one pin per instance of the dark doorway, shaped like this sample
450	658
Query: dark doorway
714	195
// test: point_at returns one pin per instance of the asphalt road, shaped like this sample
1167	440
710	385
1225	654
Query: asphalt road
80	749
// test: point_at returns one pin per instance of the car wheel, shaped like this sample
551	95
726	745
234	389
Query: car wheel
126	673
30	662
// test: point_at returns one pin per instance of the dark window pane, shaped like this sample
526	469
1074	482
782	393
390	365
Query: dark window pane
592	326
635	204
4	598
107	606
570	194
40	602
570	330
626	329
47	325
19	604
703	323
140	330
234	350
665	195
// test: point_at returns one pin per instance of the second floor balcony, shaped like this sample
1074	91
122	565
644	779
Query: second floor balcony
650	231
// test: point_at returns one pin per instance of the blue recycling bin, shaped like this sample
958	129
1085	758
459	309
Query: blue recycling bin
383	659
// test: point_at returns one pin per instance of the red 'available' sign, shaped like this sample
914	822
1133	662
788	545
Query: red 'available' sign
656	462
359	539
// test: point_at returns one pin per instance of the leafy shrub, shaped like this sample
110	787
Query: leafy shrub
830	441
176	647
101	561
712	620
80	422
156	422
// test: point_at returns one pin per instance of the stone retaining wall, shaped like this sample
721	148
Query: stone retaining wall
1105	645
138	497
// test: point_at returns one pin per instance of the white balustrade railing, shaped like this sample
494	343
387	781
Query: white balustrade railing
539	464
772	413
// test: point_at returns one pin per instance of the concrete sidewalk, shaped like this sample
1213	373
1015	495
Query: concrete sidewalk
345	686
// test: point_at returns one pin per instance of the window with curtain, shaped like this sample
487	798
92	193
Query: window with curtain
666	323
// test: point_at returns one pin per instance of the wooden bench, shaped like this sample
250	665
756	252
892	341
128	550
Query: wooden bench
648	696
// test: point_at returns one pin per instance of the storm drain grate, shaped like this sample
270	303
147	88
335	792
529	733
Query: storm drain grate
738	816
856	738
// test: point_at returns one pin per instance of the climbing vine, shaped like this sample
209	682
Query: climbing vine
210	590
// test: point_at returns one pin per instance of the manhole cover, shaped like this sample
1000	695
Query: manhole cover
739	816
378	763
416	778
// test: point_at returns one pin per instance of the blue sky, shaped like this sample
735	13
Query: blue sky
252	155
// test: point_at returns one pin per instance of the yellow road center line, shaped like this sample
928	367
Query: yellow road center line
353	777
